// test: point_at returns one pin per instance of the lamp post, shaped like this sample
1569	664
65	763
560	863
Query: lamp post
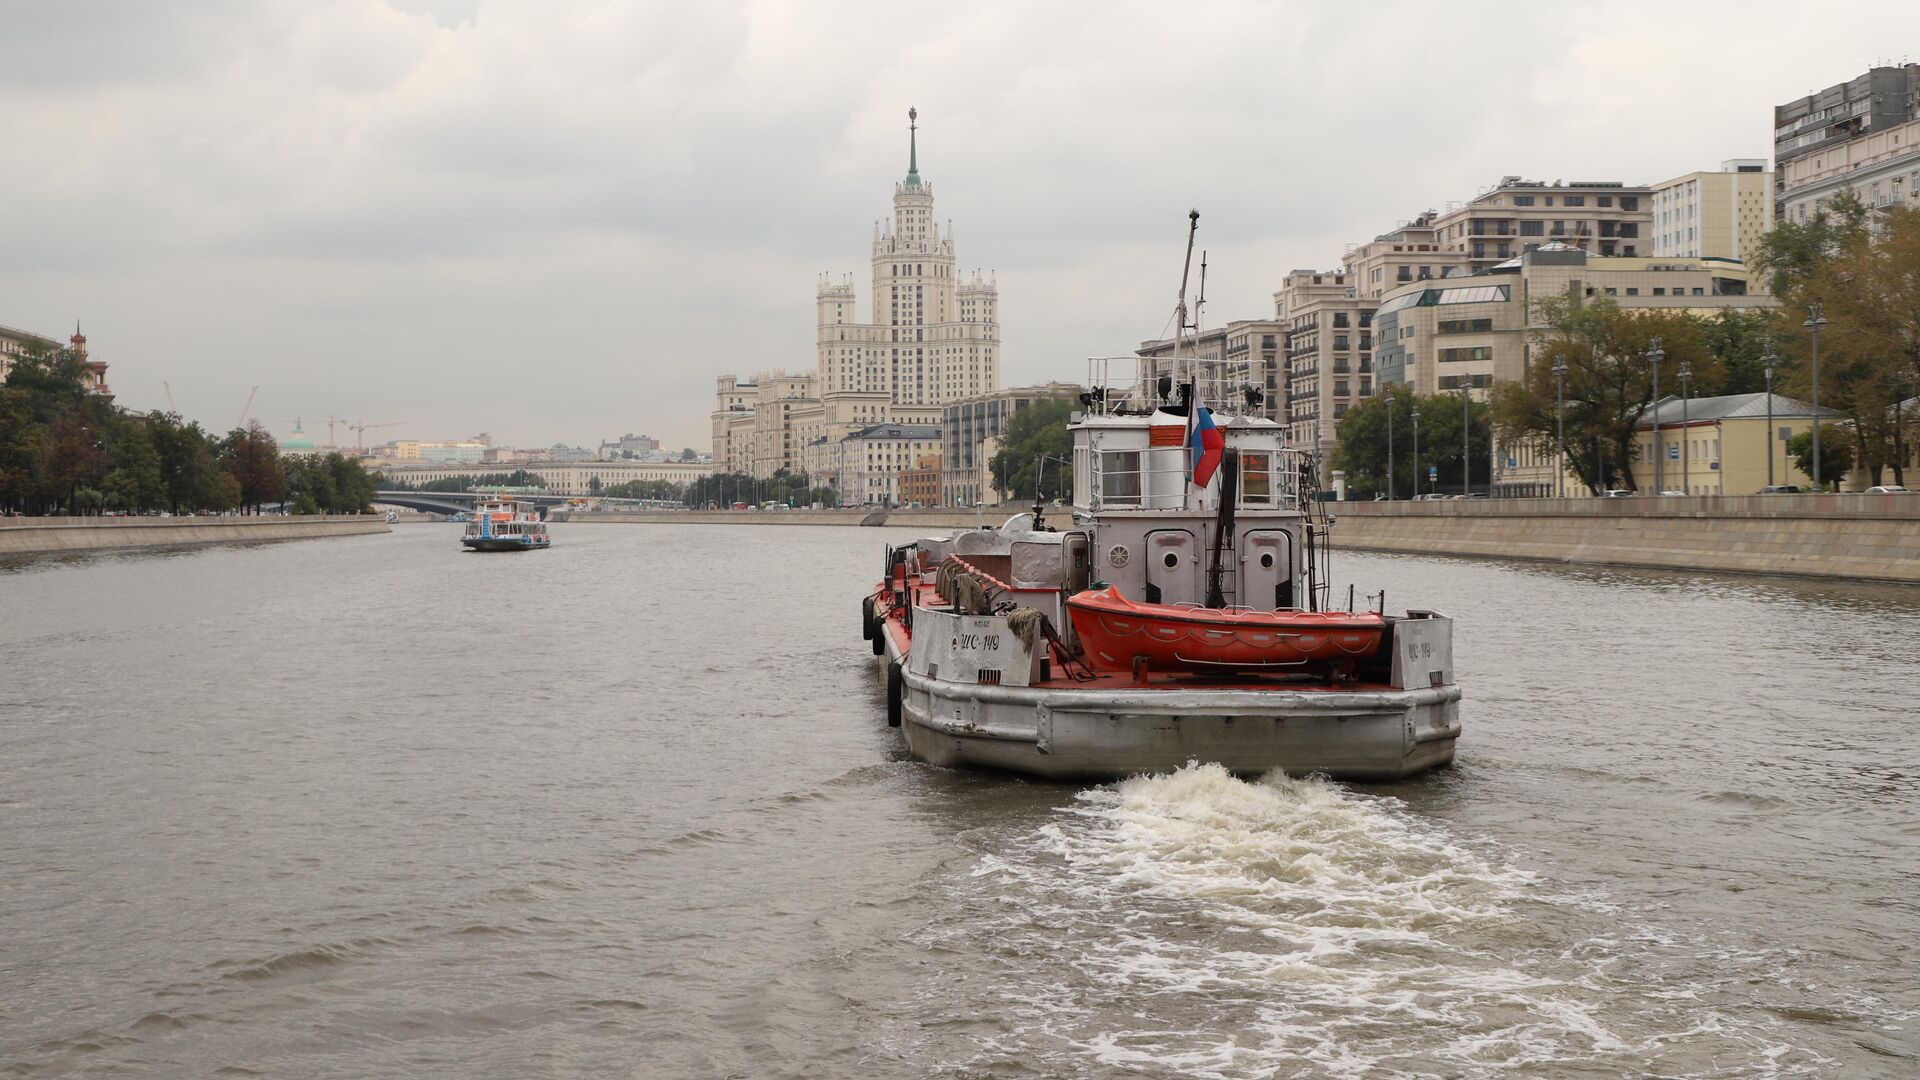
1813	324
1416	448
1767	362
1466	436
1389	443
1686	436
1655	354
1560	427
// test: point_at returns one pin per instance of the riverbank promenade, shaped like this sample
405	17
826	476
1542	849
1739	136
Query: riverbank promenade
54	535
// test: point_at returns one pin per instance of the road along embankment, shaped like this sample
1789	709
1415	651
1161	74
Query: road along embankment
52	535
1860	537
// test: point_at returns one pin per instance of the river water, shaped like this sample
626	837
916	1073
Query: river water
374	807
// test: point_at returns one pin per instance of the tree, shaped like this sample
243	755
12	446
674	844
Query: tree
687	454
1738	337
253	457
1609	380
1362	452
1836	454
133	480
1863	269
1036	451
1791	251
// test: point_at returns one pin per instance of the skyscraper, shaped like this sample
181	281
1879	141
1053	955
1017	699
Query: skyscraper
935	334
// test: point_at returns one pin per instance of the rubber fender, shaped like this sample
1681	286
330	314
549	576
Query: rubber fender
867	629
896	694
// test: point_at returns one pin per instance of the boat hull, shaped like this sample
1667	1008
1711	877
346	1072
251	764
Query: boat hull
503	543
1378	735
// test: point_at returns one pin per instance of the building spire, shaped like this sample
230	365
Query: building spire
913	147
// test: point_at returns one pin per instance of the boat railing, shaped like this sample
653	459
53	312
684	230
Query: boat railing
1157	477
1138	383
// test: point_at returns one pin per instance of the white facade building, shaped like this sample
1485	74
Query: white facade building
1714	215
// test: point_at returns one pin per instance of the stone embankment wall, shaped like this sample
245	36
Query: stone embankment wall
41	536
1864	537
908	519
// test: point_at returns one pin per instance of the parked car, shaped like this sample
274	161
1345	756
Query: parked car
1431	496
1682	494
1886	489
1782	489
1617	493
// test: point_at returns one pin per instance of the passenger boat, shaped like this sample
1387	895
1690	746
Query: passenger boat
1182	614
499	525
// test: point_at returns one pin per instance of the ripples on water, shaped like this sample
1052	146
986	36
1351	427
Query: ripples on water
378	808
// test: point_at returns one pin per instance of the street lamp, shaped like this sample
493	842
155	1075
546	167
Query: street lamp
1767	362
1560	427
1416	448
1466	435
1813	324
1686	436
1655	354
1389	443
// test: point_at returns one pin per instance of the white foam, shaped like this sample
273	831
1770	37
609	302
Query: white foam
1200	925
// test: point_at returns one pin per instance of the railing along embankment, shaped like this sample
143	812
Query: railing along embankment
1862	537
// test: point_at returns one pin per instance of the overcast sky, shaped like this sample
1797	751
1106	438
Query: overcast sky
559	221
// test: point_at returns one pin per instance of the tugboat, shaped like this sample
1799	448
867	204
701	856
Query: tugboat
499	525
1181	615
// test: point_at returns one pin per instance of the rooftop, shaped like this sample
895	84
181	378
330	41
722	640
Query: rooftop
1734	407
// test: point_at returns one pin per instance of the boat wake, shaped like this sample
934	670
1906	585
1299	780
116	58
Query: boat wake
1196	924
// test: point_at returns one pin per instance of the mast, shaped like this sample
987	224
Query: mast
1180	312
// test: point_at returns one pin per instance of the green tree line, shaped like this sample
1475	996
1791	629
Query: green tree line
67	450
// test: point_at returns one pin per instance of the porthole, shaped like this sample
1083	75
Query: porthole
1170	559
1266	560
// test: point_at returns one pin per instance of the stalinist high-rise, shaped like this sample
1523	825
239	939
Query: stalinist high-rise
934	337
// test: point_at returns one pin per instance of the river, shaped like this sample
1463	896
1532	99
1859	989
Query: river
375	807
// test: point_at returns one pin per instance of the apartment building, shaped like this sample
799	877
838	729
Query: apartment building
1328	353
1604	216
1714	215
1465	334
970	431
1858	134
870	462
1252	352
1412	252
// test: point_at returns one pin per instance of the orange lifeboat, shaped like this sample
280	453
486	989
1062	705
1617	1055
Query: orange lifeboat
1187	637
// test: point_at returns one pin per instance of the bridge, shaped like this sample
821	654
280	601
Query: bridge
462	502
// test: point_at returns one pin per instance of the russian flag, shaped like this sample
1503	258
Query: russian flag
1208	446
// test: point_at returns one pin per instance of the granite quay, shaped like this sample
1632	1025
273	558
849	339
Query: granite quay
1853	536
56	535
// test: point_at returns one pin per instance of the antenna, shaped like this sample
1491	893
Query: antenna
1202	301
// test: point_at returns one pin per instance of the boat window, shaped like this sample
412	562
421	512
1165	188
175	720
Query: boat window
1120	476
1256	478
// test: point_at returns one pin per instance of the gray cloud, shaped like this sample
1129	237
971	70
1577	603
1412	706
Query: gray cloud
561	221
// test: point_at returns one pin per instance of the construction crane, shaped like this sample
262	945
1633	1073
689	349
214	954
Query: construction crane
331	445
360	430
169	389
247	408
